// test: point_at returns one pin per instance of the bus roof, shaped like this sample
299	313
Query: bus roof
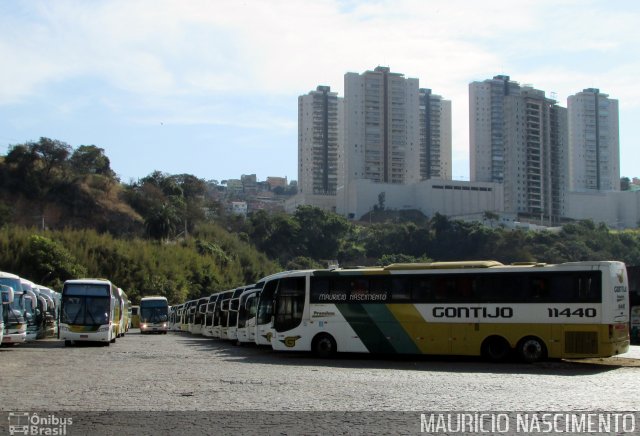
8	275
445	265
88	281
157	297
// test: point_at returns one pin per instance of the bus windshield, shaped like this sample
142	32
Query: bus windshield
154	311
85	310
85	304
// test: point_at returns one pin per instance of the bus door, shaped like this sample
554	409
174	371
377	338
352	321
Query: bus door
265	313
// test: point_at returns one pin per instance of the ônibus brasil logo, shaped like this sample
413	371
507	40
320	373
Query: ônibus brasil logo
26	423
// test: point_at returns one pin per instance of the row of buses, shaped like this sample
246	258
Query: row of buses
481	308
29	311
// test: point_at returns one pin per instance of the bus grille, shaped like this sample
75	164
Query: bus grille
581	342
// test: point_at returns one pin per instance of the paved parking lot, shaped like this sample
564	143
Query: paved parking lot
183	373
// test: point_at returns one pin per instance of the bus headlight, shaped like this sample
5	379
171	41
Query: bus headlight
164	325
104	329
143	326
64	328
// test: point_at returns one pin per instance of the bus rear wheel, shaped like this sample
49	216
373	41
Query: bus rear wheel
324	346
532	349
496	348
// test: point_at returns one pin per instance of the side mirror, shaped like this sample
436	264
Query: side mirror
7	294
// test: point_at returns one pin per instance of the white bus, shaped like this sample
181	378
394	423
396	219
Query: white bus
537	311
88	311
219	314
15	322
154	315
230	331
6	296
247	309
207	327
264	316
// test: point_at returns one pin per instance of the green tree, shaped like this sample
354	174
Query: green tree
89	159
162	222
320	233
49	260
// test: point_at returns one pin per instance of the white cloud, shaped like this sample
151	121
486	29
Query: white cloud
163	53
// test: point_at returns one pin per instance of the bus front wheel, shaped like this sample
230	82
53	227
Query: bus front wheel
496	348
324	345
532	349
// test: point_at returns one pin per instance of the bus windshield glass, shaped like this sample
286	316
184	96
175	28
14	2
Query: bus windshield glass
84	310
154	311
85	304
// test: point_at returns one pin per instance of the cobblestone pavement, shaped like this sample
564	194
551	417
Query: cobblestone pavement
179	372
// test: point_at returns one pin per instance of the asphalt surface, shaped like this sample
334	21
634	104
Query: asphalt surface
165	378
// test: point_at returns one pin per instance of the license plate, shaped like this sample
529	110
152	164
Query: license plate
84	336
155	329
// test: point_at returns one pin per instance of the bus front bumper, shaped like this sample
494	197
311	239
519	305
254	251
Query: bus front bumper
102	334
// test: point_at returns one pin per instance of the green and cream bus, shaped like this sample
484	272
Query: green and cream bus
483	308
154	315
88	311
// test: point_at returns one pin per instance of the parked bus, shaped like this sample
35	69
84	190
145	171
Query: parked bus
230	329
198	317
174	317
129	315
6	296
247	308
15	323
207	328
51	314
219	314
124	312
135	316
264	315
32	310
571	310
154	315
186	313
88	311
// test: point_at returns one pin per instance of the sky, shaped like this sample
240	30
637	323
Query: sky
210	87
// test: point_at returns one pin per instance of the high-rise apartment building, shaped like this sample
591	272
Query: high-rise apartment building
518	138
382	129
594	142
435	136
319	133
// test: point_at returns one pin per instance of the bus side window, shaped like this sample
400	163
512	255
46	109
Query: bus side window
563	288
400	289
422	289
539	289
359	286
380	286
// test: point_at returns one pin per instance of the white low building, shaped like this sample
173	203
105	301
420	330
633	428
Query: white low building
432	196
617	209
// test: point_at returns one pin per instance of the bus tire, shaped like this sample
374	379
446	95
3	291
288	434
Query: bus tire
532	349
113	340
324	346
495	349
67	343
